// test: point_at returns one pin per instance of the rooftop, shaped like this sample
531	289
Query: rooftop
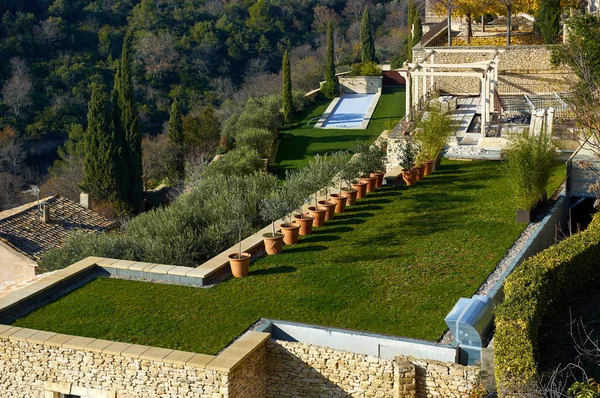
22	229
395	263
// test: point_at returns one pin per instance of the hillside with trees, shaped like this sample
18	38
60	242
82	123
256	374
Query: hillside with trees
212	55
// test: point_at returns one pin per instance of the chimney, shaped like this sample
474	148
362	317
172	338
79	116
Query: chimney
84	200
45	218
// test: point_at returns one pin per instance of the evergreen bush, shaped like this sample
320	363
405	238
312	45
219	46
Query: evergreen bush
259	140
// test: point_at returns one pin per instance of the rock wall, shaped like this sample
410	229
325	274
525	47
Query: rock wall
298	370
25	368
522	69
248	379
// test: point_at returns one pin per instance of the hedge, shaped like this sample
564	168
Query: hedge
550	276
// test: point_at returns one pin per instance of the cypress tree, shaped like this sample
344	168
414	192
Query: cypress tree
99	175
175	133
367	47
329	88
418	30
287	89
127	132
548	20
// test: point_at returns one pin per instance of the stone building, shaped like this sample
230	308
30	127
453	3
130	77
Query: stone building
29	231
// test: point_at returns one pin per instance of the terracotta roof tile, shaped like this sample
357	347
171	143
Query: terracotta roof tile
22	229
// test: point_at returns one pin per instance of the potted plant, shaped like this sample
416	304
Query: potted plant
365	162
320	171
349	174
272	208
529	160
432	133
298	182
339	162
237	206
378	155
420	166
406	156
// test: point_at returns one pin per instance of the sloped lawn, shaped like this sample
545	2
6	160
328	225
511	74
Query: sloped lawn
395	263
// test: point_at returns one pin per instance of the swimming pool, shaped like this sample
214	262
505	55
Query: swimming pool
351	111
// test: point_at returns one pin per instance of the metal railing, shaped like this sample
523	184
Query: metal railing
407	124
435	33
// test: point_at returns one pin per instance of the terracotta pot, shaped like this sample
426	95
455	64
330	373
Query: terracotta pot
340	201
361	188
318	214
429	167
273	243
350	195
420	172
306	223
379	175
409	177
371	183
525	216
290	233
330	207
239	263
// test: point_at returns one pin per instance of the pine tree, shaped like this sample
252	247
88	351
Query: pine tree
287	89
329	89
175	132
367	47
99	177
127	133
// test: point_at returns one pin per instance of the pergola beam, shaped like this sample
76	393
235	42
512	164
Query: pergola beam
449	74
475	65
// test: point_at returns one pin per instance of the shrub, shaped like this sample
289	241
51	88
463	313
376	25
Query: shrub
529	164
550	276
188	232
329	89
371	158
260	140
258	112
397	61
433	132
365	69
239	162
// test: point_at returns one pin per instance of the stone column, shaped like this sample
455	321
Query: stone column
405	379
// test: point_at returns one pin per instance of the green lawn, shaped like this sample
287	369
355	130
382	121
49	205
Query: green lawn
395	263
302	142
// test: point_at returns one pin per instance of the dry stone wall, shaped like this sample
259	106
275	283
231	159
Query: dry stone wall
522	69
299	370
25	368
248	379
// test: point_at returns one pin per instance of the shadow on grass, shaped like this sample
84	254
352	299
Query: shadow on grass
284	269
345	221
305	249
315	238
337	229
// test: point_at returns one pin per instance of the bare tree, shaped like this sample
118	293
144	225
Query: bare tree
354	9
157	52
50	31
16	93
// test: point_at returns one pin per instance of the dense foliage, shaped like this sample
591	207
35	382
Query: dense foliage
550	276
529	164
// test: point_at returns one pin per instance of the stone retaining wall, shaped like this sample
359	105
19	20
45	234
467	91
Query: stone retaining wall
28	369
522	69
299	370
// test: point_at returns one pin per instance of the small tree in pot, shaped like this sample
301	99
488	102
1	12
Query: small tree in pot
237	206
273	208
319	173
363	159
300	188
407	156
339	160
349	174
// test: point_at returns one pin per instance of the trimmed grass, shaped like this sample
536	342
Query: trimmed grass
303	142
395	263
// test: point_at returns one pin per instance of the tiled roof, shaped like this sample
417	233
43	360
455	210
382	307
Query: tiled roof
22	229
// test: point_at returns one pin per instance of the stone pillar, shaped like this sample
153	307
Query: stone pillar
405	379
45	216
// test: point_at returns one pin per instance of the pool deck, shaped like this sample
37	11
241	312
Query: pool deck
338	117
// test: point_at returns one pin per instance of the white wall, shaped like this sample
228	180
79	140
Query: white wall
14	266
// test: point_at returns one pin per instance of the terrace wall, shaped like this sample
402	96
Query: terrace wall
27	370
522	69
299	370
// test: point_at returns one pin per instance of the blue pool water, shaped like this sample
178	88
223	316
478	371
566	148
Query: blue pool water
350	111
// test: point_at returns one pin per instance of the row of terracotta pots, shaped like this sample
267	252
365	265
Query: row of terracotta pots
304	223
417	173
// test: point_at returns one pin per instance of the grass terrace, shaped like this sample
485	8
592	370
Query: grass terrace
303	142
395	263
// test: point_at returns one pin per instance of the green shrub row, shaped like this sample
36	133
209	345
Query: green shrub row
549	276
